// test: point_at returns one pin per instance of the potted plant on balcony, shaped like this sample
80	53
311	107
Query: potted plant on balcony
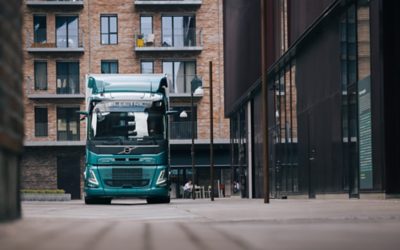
140	40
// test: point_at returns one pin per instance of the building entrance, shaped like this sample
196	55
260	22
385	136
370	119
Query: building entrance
68	175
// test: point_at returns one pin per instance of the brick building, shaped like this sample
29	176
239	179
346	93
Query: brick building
11	108
65	40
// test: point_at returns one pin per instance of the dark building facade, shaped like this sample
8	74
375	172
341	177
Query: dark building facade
332	96
11	108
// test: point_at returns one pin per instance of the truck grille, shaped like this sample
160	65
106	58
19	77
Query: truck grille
127	183
126	173
127	178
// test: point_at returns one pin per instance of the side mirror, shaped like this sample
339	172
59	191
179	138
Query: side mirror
84	113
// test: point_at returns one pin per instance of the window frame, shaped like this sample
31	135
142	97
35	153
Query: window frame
173	36
146	61
46	122
34	32
152	23
69	119
173	61
68	84
67	32
108	33
109	62
36	86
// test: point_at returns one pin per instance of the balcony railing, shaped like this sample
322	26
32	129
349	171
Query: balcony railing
168	2
182	130
180	86
43	3
192	40
62	90
68	135
71	44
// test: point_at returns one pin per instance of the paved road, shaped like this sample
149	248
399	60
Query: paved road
224	224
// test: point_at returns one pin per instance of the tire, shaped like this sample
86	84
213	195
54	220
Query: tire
90	201
97	201
158	200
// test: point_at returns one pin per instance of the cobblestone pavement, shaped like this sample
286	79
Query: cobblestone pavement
201	224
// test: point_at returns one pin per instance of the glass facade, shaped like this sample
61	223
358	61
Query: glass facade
146	26
356	98
284	171
181	73
68	124
41	121
40	29
178	31
67	77
40	68
67	32
239	152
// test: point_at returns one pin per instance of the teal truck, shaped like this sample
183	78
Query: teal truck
127	138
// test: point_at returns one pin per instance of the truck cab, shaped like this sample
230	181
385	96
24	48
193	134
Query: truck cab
127	138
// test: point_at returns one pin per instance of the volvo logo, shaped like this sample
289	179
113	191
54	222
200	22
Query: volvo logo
127	150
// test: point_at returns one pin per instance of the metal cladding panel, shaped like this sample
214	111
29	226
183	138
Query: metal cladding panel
391	78
242	48
303	13
319	117
202	157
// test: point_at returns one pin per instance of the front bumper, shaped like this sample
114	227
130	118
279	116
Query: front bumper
127	192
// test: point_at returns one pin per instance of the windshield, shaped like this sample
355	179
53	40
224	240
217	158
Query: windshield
128	121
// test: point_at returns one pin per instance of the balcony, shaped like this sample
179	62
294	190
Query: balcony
180	86
55	3
182	130
71	44
32	143
62	91
191	41
168	2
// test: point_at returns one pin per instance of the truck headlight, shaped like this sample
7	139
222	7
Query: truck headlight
162	179
92	180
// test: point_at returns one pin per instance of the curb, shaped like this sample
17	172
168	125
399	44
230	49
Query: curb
45	197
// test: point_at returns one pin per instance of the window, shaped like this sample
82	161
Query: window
39	27
67	124
67	77
40	69
109	67
40	121
181	73
146	26
67	31
109	29
146	67
181	123
178	31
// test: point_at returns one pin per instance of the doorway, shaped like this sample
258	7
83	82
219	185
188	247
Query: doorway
68	175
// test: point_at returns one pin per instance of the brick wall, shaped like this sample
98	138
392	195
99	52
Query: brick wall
208	18
11	108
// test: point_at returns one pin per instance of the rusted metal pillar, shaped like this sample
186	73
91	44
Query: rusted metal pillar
211	134
264	97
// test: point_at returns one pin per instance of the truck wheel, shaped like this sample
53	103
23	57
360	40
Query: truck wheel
90	201
165	199
97	201
158	200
